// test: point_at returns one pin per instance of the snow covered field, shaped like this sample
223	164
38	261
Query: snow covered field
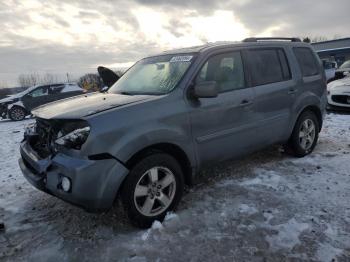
266	207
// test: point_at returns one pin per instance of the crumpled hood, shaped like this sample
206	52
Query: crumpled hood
343	83
85	105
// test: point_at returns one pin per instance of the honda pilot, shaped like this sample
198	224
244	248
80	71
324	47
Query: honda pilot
169	116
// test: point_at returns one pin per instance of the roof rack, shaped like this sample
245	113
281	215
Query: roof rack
256	39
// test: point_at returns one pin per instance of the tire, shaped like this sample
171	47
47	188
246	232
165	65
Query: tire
138	203
304	138
17	113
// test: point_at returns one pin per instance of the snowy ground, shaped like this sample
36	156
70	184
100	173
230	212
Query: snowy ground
265	207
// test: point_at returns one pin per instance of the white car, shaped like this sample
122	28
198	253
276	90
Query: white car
329	68
339	93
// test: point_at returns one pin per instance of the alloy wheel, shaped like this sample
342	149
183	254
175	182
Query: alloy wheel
155	191
307	134
17	114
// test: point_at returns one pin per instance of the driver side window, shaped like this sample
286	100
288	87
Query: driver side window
226	69
40	91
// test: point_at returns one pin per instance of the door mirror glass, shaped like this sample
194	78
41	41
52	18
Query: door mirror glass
206	89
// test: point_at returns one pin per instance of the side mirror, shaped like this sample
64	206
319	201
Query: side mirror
206	89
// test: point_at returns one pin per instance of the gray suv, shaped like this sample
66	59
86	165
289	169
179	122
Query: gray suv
169	116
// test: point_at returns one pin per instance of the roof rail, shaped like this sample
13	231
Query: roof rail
256	39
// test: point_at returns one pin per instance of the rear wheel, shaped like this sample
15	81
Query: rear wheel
153	187
17	113
305	135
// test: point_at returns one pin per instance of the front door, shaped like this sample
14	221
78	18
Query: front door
223	127
36	98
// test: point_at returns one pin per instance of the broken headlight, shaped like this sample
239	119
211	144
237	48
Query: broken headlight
73	135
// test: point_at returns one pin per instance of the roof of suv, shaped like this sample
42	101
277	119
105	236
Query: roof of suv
246	42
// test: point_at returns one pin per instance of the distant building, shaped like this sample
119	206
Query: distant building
334	50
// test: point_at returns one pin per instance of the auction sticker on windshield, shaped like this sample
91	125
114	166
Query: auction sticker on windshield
181	59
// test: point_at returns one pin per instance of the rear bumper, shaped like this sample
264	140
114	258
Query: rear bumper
94	183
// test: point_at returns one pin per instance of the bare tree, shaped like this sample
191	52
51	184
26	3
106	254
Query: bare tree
25	80
48	79
3	84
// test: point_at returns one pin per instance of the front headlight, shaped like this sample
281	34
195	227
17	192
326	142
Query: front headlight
74	138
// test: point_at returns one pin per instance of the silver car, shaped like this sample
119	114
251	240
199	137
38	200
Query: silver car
169	116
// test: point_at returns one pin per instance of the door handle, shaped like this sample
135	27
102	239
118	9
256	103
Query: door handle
292	91
246	102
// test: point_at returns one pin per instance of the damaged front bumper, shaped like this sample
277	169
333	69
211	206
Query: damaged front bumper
3	111
94	183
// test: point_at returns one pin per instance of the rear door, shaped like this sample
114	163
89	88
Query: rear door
223	127
271	78
311	72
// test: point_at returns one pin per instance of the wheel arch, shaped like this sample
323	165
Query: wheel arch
316	110
168	148
13	106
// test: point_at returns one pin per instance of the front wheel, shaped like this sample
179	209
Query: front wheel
305	135
17	113
153	187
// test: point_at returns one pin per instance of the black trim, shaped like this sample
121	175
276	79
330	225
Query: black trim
256	39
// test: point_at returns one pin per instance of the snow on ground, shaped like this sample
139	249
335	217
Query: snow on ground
266	207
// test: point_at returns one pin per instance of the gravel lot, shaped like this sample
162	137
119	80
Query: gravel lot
266	207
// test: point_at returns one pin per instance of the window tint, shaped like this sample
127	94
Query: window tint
40	91
55	89
225	69
306	60
268	66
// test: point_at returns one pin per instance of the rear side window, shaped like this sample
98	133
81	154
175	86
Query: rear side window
268	66
306	60
55	89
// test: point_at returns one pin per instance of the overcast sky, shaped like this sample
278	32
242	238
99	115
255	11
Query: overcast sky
57	36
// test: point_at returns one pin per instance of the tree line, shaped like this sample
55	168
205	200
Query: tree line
89	81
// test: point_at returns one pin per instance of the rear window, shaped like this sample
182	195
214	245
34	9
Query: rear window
307	61
268	66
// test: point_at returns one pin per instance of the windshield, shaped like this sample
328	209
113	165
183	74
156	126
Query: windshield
346	64
153	76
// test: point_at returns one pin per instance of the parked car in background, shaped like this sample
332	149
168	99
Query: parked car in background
339	94
169	116
329	67
17	107
343	70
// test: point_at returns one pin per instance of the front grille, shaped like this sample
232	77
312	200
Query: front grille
341	99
